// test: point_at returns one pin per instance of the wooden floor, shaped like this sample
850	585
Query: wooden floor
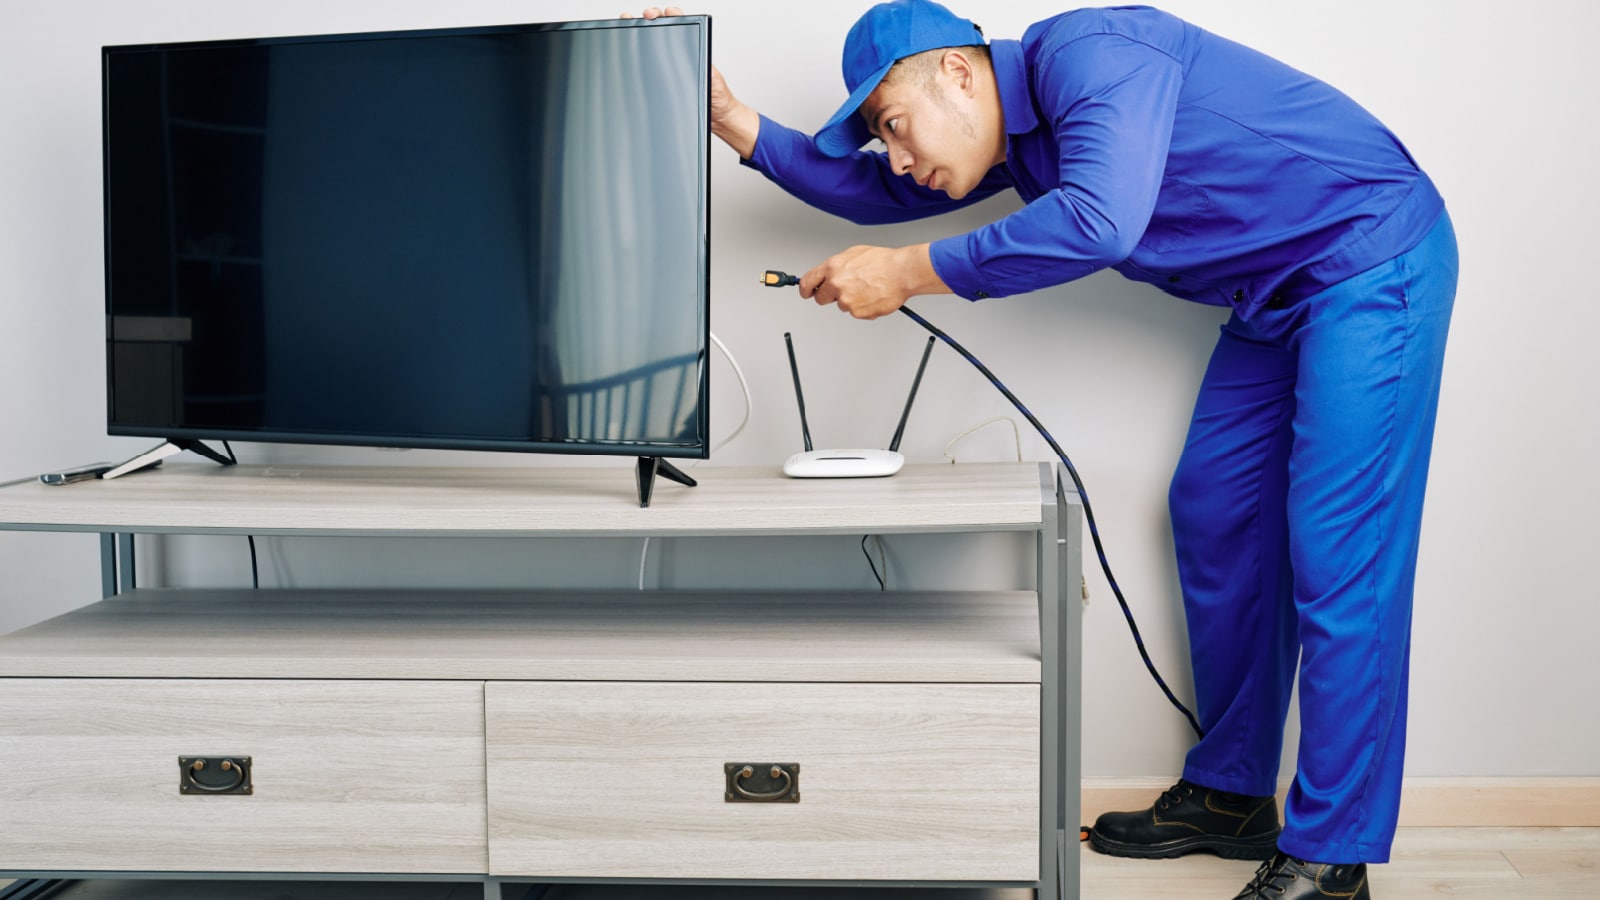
1460	863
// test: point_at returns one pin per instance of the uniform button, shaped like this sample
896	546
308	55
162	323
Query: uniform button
1275	301
1173	279
982	295
1238	296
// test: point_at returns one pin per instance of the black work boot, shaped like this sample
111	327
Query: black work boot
1286	878
1188	818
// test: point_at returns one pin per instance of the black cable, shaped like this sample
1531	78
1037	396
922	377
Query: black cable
1088	511
255	572
881	585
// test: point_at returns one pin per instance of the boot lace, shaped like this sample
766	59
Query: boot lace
1272	879
1175	795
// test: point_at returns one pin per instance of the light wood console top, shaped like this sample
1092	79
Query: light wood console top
530	501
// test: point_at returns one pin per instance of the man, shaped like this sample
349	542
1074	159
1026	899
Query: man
1145	144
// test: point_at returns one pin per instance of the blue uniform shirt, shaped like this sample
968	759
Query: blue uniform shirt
1145	144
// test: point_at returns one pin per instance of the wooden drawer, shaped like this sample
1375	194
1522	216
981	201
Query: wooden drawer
925	782
348	776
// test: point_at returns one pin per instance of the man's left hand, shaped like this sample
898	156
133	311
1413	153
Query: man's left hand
869	282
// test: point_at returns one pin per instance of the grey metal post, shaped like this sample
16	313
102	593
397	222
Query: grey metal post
108	564
125	554
1051	588
1069	509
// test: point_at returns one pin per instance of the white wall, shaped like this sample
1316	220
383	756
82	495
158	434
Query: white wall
1497	106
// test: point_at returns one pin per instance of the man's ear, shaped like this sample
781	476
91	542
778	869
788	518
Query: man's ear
958	66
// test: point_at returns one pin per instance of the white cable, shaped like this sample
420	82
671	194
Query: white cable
1014	431
644	552
744	385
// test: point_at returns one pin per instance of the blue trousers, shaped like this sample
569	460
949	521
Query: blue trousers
1296	509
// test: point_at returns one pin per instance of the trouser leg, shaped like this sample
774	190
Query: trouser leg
1371	352
1230	532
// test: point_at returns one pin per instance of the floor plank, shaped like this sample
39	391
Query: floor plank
1472	863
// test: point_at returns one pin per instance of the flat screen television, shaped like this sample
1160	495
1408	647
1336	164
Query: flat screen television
478	238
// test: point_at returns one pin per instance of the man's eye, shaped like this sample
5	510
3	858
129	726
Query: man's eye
889	126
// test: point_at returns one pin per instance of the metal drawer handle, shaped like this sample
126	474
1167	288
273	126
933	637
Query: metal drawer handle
238	769
785	777
777	773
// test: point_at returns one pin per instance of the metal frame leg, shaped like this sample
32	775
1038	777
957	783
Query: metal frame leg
1059	579
1070	648
1048	582
118	570
108	565
125	563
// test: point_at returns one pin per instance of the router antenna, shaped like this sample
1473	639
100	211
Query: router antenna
800	398
894	445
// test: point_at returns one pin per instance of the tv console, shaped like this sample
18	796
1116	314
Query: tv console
520	737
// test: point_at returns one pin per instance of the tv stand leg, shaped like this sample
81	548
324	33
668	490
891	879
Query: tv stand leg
155	455
649	468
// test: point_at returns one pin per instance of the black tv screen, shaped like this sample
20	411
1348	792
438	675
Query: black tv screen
489	238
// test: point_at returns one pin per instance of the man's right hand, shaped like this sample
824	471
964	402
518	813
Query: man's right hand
733	121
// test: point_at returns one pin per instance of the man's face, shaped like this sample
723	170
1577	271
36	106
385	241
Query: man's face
932	127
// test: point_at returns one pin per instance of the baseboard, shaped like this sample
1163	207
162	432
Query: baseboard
1424	801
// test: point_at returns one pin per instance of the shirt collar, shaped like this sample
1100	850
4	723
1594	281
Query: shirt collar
1011	75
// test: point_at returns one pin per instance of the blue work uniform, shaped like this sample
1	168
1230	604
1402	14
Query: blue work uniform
1145	144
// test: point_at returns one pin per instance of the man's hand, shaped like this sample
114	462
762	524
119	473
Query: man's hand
656	12
734	122
870	282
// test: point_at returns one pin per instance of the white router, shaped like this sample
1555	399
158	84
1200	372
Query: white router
847	463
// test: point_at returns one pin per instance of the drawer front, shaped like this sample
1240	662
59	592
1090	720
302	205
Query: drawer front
347	776
921	782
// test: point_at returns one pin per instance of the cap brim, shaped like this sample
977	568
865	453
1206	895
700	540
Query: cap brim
846	131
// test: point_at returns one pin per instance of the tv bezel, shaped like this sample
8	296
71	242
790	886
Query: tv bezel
430	442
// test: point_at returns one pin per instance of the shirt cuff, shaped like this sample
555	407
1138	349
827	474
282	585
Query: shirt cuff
952	259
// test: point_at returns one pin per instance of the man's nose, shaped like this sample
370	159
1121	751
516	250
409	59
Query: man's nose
900	159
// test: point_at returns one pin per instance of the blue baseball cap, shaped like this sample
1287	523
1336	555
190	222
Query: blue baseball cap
886	34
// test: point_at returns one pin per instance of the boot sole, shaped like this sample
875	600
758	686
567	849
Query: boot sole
1261	847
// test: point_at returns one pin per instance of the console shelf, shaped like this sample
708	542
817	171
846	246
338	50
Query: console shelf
486	635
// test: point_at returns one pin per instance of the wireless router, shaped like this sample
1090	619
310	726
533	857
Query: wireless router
847	463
